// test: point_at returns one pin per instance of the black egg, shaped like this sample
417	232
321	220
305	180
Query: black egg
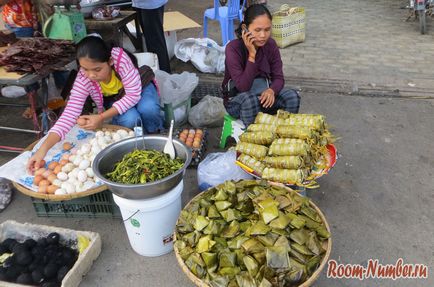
10	261
33	266
9	243
20	247
50	284
24	258
38	251
25	278
37	276
53	238
50	270
62	273
3	249
30	243
42	242
13	272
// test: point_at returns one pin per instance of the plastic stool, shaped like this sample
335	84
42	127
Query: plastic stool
231	128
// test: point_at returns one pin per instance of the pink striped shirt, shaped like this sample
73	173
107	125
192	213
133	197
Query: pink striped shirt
83	87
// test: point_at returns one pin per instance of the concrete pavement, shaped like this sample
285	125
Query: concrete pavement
378	199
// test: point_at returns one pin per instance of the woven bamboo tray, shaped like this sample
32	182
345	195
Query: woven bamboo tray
326	244
54	197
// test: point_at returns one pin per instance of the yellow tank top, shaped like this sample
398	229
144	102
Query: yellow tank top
112	87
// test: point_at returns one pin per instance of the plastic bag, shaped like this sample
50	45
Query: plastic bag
5	193
217	168
209	112
175	89
205	54
13	92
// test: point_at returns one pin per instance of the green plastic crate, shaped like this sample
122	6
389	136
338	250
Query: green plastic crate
169	112
99	205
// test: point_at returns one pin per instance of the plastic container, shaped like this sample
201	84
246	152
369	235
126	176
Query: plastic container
148	59
98	205
150	222
178	113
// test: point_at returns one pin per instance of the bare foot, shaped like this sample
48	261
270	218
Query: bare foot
27	114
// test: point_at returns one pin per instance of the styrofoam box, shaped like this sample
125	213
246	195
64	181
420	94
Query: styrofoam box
23	231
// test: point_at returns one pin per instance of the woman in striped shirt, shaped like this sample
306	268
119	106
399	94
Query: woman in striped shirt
112	80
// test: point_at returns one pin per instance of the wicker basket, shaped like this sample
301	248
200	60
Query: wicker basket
289	25
54	197
326	244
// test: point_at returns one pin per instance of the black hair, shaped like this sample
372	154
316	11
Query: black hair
250	14
96	49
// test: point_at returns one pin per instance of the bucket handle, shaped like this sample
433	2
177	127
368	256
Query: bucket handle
132	215
135	133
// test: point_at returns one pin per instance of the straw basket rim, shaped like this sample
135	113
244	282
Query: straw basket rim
328	244
54	197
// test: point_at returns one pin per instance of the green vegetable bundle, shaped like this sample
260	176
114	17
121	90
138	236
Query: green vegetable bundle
142	166
249	233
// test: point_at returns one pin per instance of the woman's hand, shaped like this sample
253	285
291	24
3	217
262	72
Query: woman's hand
35	161
92	122
267	98
248	39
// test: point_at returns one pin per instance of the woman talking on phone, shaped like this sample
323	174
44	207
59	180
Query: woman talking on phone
253	79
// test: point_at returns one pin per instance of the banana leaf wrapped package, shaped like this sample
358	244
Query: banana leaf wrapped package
262	138
284	175
281	241
261	128
254	150
252	163
295	149
313	121
263	118
303	133
286	161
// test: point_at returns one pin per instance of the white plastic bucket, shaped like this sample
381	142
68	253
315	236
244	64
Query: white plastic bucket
148	59
150	222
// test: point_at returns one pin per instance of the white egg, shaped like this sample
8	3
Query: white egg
96	149
89	172
60	191
131	133
73	174
79	152
102	141
72	157
99	134
122	133
82	176
68	187
116	137
62	176
108	138
88	185
78	160
84	164
107	133
57	182
68	167
85	149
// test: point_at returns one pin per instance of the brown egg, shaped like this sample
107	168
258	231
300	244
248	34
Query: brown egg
52	177
53	165
63	161
65	156
190	136
199	131
67	146
43	189
81	122
47	173
182	138
44	182
189	142
198	137
37	179
196	144
57	169
40	171
51	189
185	131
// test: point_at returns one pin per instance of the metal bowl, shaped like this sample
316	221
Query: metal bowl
106	159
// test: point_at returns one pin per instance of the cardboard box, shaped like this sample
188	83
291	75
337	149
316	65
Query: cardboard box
173	21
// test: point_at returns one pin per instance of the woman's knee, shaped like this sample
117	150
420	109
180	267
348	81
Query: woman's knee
149	103
290	100
129	119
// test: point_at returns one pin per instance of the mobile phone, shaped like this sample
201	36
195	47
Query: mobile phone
245	29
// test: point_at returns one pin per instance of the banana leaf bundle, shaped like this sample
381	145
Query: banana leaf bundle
277	239
297	132
284	175
261	128
254	150
254	164
286	161
295	149
262	138
262	118
313	121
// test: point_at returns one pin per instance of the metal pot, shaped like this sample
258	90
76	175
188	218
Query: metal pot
106	159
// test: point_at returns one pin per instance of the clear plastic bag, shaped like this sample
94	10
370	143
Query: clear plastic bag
5	193
209	112
217	168
205	54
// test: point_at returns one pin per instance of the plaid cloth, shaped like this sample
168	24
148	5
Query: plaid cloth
246	106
